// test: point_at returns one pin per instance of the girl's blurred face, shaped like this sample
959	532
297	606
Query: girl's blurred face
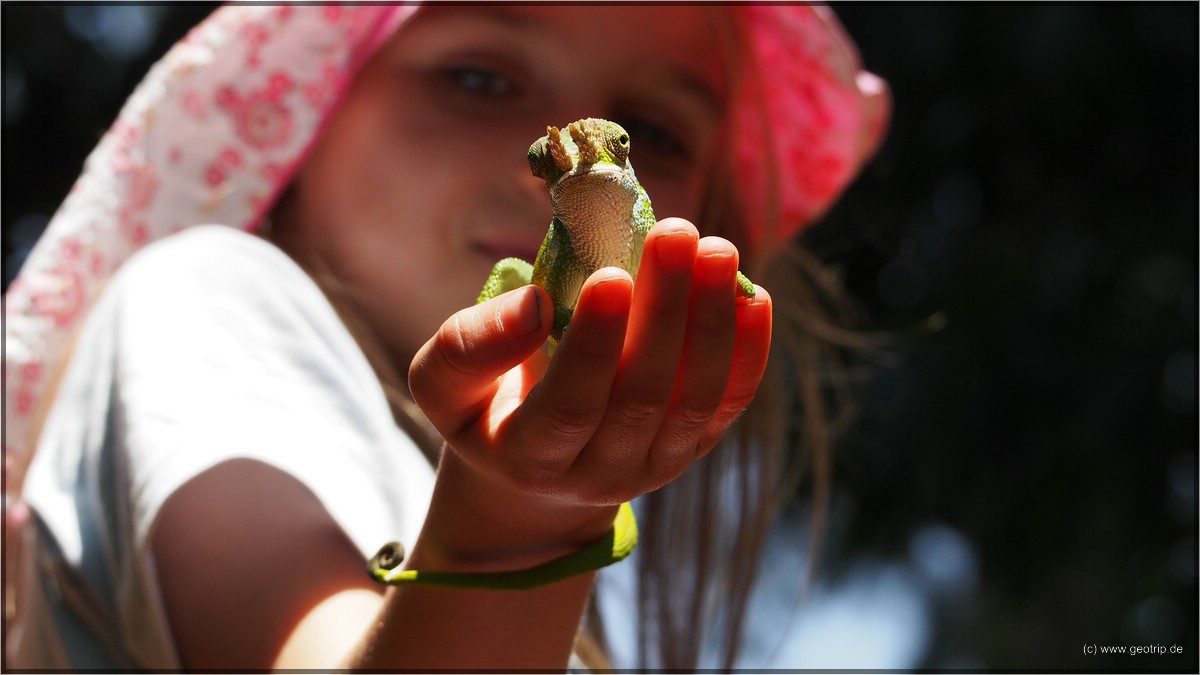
420	183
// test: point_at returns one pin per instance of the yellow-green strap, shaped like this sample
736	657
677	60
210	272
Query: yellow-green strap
613	547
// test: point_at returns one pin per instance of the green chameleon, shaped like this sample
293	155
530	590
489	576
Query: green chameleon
601	218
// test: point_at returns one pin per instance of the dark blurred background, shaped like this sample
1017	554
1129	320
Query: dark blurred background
1027	470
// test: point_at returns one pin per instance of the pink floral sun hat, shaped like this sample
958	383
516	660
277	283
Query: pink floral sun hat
218	127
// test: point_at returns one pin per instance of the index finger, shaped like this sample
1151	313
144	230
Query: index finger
455	374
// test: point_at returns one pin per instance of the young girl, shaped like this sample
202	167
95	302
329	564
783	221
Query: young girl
223	427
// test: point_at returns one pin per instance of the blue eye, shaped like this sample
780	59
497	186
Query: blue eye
481	81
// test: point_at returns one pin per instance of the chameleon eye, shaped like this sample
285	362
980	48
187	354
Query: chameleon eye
620	147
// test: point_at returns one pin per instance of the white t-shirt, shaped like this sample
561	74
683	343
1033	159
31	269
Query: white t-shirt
211	345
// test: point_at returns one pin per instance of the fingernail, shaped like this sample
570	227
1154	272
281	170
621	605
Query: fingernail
611	297
675	251
752	313
716	271
521	312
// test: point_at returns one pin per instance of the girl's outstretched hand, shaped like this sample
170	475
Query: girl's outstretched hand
645	381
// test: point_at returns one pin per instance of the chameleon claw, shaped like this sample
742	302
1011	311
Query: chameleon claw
745	286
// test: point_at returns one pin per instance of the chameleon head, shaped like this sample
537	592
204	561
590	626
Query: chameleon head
587	143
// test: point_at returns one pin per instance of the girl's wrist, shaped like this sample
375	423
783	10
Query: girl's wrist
480	523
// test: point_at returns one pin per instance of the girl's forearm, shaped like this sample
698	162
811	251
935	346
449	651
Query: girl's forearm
475	524
426	628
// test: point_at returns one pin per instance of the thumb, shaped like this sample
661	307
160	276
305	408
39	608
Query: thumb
454	375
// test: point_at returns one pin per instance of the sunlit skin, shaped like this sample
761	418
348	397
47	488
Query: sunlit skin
419	185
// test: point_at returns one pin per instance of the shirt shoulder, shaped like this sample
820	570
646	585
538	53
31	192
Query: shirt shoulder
208	347
208	264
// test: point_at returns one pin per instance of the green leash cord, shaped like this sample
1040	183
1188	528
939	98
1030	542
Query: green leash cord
613	547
